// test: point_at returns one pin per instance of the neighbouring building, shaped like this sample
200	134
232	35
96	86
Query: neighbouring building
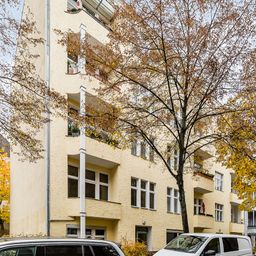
128	196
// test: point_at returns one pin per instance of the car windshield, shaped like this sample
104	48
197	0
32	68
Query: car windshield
186	243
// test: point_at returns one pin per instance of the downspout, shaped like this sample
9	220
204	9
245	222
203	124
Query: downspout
82	170
47	126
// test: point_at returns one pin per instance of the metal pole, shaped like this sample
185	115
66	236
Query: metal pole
47	127
82	165
82	143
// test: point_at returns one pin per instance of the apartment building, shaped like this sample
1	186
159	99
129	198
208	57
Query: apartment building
128	195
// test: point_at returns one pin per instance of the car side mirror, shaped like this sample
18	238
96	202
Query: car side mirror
209	253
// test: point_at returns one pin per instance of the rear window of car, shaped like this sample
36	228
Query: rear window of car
104	250
230	244
244	244
64	250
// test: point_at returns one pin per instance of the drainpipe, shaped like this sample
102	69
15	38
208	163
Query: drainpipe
82	143
82	165
47	126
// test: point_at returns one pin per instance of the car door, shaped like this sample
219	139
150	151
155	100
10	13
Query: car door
104	250
212	246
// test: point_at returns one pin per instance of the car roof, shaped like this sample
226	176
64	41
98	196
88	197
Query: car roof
20	241
214	235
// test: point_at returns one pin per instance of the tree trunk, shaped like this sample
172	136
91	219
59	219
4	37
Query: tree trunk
1	227
182	198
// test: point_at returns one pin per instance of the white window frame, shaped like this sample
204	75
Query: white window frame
97	183
171	199
253	219
219	212
147	192
198	203
136	188
172	157
152	192
219	181
74	178
93	233
102	183
73	227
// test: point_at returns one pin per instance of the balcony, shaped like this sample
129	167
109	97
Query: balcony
203	221
96	209
234	199
97	153
237	228
202	181
101	10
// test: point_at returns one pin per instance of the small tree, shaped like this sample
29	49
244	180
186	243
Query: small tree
170	67
25	98
4	190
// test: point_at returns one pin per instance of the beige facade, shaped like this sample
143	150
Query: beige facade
117	176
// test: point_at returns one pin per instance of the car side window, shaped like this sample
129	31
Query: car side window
213	245
64	250
87	251
230	244
104	250
23	251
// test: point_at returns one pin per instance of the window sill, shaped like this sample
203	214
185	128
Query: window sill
143	208
221	221
174	213
95	199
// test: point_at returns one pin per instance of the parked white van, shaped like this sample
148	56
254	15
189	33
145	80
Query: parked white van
200	244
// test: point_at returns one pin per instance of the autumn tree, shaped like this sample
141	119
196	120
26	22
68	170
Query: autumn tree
238	148
169	68
25	98
4	190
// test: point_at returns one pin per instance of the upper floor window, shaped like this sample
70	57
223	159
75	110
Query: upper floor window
218	181
173	203
72	181
218	212
142	193
252	219
172	157
141	148
199	207
96	183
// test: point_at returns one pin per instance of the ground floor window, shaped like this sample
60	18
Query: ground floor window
143	194
143	235
91	232
173	203
171	234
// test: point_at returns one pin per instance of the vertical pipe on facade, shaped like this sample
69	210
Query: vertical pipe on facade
82	143
82	165
47	126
